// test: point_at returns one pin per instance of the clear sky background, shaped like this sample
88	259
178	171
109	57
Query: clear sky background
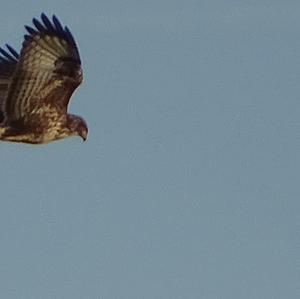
188	186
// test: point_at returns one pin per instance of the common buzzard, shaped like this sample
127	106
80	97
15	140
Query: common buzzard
36	85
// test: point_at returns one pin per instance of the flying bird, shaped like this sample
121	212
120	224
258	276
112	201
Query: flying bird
36	85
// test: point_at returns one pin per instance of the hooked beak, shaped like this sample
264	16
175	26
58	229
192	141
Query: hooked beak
84	138
83	135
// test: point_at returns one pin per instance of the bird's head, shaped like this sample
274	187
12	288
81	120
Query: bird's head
77	126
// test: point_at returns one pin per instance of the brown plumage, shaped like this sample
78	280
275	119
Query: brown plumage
36	86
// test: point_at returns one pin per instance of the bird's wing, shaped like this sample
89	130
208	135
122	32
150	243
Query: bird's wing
47	72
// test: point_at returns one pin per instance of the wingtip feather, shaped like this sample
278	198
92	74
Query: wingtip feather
38	24
6	54
47	22
30	30
57	23
12	51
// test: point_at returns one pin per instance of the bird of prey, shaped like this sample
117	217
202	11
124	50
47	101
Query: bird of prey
36	85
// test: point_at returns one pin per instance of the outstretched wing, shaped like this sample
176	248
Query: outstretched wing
47	72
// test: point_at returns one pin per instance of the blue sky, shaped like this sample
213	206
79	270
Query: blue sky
188	185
